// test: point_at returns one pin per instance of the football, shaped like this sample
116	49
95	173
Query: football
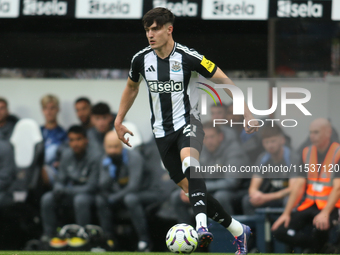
181	238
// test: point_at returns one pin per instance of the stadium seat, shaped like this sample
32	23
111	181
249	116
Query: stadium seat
28	147
21	220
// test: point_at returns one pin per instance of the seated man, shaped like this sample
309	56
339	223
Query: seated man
7	121
251	143
75	185
7	173
270	189
307	142
228	191
83	110
102	120
122	181
53	134
221	112
320	209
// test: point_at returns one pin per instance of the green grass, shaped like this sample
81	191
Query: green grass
112	253
106	253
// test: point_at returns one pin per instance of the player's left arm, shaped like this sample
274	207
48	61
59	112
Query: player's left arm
220	76
321	220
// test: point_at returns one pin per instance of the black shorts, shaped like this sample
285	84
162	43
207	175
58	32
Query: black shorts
170	146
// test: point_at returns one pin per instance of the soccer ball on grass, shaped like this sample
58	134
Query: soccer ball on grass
181	238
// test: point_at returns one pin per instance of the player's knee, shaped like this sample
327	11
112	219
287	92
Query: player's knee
47	200
189	162
130	200
80	201
101	201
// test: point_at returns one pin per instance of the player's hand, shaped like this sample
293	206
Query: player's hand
251	125
321	221
184	198
284	218
257	198
121	131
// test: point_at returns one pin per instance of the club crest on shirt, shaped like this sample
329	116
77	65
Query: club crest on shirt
176	67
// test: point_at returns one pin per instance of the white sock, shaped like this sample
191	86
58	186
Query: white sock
235	227
201	221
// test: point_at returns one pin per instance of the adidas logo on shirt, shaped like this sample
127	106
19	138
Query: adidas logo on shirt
199	203
151	69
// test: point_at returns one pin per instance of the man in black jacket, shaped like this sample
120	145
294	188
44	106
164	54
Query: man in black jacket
7	172
75	185
7	121
123	181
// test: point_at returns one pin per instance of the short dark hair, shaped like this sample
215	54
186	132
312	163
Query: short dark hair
83	99
3	100
210	124
101	109
268	131
78	130
159	15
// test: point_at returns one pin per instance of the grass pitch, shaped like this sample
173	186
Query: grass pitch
112	253
88	253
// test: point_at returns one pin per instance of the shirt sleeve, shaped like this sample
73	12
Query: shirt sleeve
134	72
200	63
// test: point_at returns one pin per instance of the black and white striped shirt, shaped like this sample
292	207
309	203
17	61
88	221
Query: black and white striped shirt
172	98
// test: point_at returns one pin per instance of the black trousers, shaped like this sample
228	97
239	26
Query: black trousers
295	234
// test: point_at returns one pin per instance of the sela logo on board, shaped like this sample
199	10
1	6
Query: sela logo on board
286	9
335	9
184	8
9	8
235	9
165	87
109	9
48	8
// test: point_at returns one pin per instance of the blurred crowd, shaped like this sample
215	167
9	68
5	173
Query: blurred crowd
85	176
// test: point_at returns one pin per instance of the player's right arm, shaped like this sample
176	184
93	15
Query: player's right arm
295	195
129	95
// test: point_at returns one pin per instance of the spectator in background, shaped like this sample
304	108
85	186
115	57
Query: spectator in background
243	136
321	184
216	151
102	120
124	181
83	110
229	191
75	186
7	173
7	121
220	112
307	142
53	134
251	143
270	189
